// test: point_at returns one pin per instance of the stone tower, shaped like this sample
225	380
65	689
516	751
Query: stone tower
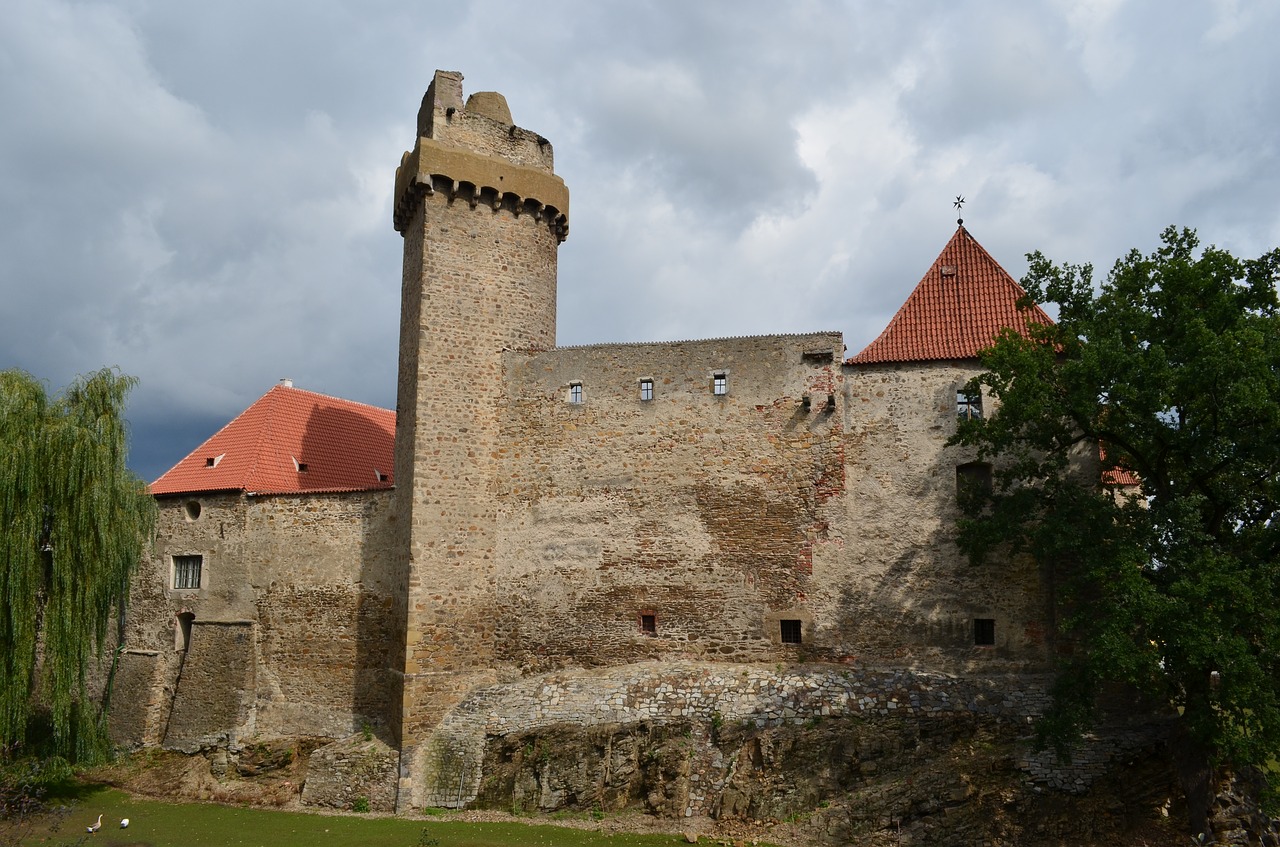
482	215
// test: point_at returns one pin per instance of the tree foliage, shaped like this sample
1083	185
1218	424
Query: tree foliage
73	523
1173	367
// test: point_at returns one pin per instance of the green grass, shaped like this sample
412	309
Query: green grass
157	824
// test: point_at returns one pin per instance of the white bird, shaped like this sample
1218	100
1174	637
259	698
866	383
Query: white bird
96	826
124	822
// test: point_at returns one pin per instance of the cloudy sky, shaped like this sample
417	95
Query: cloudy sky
200	193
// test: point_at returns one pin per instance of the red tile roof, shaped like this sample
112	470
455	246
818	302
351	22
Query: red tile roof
291	441
956	311
1116	476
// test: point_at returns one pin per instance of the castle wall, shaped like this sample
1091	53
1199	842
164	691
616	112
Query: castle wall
721	516
700	510
892	585
291	621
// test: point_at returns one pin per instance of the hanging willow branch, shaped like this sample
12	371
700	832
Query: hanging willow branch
73	524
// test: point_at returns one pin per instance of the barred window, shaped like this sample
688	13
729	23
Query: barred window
186	572
791	631
984	632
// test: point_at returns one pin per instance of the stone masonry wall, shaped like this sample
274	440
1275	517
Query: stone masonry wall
309	578
213	696
697	509
890	583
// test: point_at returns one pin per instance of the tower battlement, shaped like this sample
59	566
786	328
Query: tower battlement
474	152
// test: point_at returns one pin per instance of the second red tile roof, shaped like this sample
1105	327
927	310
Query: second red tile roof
956	311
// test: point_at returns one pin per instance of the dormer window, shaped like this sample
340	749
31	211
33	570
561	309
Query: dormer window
300	467
212	461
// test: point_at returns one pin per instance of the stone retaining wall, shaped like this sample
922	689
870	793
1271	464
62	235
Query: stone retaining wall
656	693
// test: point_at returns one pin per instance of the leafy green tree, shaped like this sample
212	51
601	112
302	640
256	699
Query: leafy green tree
1172	367
73	524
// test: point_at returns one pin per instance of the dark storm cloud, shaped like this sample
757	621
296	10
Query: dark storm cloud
200	193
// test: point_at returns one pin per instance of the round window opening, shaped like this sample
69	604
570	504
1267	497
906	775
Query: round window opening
193	509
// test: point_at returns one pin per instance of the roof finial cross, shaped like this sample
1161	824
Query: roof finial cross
959	204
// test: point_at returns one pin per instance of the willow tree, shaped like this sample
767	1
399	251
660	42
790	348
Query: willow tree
1173	365
73	524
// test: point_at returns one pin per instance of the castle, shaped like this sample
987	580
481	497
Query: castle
753	528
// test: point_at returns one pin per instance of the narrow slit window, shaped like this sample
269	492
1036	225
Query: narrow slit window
649	624
968	405
575	393
646	389
984	632
720	384
187	572
791	631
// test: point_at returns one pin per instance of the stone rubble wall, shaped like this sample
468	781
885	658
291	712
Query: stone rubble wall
717	694
341	774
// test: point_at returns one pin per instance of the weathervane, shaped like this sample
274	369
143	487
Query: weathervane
959	204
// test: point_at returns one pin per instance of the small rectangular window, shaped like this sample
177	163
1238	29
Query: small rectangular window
186	572
973	480
649	624
968	405
720	384
984	632
575	393
791	632
646	389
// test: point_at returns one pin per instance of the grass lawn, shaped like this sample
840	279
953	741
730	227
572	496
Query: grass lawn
157	824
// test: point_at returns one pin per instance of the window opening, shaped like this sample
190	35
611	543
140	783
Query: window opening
649	624
984	632
968	406
973	479
791	631
182	632
186	572
720	384
192	509
575	393
646	389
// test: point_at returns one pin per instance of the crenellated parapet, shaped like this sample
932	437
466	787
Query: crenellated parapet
433	167
474	152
